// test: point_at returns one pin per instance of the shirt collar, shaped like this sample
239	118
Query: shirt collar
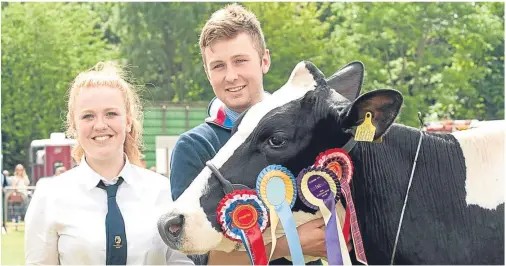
91	178
221	116
233	115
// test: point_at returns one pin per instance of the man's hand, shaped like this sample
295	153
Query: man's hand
312	240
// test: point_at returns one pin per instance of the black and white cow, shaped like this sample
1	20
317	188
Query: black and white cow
455	209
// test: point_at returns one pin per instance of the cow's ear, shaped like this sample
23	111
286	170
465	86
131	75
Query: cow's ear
302	76
347	81
383	107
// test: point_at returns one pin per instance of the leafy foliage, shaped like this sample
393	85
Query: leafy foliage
161	41
447	59
44	46
441	56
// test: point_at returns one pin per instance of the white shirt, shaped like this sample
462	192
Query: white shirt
65	221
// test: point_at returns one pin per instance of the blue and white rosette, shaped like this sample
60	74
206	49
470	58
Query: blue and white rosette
276	187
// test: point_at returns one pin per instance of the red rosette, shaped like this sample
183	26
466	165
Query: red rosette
244	202
243	218
338	161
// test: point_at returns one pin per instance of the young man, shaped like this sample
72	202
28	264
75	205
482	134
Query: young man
235	59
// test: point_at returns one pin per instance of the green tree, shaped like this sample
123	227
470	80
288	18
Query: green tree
161	41
293	32
44	46
445	58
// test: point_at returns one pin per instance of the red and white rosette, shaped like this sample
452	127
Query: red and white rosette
339	161
243	218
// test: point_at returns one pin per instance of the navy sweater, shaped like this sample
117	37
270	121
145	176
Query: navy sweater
191	152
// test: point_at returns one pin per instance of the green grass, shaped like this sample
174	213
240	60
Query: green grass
13	247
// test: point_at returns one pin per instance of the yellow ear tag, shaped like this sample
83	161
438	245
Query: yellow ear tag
365	131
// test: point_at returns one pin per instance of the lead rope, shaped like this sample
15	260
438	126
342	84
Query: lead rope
407	193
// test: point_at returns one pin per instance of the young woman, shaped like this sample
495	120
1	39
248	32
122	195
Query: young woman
20	179
19	195
105	210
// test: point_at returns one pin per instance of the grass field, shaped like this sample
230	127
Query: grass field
13	251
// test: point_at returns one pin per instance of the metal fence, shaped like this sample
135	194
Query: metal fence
14	205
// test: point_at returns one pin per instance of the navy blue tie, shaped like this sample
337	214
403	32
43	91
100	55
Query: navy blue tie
116	251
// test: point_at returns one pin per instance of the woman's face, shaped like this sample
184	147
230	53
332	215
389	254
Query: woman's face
19	170
101	122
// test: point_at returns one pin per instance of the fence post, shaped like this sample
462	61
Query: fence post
187	118
164	121
4	218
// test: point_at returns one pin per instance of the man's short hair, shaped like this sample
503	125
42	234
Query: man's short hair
227	23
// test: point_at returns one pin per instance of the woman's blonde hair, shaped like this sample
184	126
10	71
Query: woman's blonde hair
23	174
108	74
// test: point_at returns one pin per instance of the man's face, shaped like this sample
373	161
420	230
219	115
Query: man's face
235	71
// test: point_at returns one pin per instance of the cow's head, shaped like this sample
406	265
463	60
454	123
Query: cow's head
305	117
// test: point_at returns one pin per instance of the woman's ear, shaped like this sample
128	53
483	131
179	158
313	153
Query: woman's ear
129	125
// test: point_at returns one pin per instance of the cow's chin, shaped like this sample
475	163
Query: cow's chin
198	236
201	238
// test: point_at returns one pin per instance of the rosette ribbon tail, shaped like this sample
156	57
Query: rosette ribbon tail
285	214
274	220
254	243
332	229
245	242
355	230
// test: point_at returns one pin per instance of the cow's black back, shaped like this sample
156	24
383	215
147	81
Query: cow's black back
439	227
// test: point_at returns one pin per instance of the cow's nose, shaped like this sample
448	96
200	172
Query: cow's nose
170	227
174	225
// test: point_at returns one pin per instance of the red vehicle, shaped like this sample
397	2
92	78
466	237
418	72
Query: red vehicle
46	155
448	126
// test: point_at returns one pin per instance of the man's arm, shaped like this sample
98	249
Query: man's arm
312	241
187	161
242	258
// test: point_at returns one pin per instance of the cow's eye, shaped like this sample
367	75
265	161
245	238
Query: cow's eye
276	141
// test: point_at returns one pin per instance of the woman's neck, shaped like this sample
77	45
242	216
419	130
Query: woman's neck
108	169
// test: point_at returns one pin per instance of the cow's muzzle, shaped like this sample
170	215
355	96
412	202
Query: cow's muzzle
170	227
